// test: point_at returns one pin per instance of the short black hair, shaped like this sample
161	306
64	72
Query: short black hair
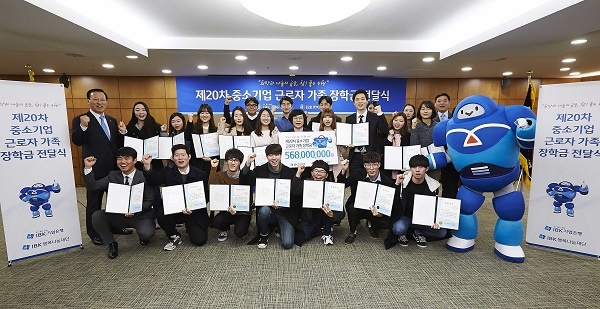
286	98
359	91
443	94
326	98
273	149
320	164
251	99
418	160
234	153
89	93
297	112
179	146
126	152
372	157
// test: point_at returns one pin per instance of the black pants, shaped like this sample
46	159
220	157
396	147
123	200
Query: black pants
223	220
93	204
105	222
196	225
354	216
450	181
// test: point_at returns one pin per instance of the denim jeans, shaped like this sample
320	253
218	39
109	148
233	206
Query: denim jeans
267	215
404	223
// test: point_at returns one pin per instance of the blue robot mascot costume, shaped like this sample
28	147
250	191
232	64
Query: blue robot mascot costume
38	195
483	140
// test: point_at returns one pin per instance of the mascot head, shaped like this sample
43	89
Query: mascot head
474	107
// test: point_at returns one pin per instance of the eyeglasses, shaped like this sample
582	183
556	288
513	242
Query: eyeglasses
251	105
319	171
371	165
233	160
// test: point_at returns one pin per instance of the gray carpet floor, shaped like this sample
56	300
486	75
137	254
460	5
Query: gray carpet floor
232	274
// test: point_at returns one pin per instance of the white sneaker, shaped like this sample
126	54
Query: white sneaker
222	236
327	239
172	244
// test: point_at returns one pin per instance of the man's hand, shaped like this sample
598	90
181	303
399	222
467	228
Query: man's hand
327	210
301	169
435	226
122	127
146	161
275	205
163	128
228	100
214	162
375	212
186	211
89	162
251	158
273	108
129	215
231	210
344	165
84	121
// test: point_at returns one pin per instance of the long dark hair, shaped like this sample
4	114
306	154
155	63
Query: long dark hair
150	128
404	130
247	126
211	123
258	129
171	129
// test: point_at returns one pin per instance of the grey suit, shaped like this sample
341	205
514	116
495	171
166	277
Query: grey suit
143	221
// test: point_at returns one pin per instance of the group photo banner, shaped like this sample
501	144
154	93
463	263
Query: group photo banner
563	200
304	90
37	188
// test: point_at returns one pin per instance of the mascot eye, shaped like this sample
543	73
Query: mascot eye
476	108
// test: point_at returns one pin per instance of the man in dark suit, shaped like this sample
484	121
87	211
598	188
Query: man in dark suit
378	128
450	177
298	120
196	221
127	174
99	136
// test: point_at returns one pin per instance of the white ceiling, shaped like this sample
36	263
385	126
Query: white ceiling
491	36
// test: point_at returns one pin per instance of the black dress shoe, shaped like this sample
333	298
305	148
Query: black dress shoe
372	231
113	250
123	232
97	241
144	242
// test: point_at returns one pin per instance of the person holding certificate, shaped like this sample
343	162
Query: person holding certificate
205	124
286	218
325	102
398	136
103	221
322	219
371	174
196	221
422	134
328	123
224	219
239	124
414	182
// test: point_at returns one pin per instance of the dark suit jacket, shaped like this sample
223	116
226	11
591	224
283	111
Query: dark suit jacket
94	142
361	175
117	177
378	129
304	129
450	115
170	176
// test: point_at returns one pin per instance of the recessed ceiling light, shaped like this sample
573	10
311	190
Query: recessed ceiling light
251	72
294	67
131	57
346	58
108	66
381	68
565	69
202	67
241	57
507	73
428	59
465	69
569	60
48	70
574	73
167	71
579	41
332	72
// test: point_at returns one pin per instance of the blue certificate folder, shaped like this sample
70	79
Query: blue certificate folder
315	194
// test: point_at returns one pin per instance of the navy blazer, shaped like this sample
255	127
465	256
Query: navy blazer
378	129
170	176
117	177
94	142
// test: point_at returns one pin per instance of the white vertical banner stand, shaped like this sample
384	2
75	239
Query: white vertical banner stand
565	187
37	188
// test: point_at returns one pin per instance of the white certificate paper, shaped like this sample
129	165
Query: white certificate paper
225	143
136	198
240	197
334	195
242	141
424	210
312	194
448	213
265	192
392	158
365	195
173	199
178	139
408	153
122	199
384	199
210	144
164	147
343	134
360	134
195	198
282	192
219	197
151	147
135	143
261	156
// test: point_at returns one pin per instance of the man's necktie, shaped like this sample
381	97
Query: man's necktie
127	180
361	120
442	117
104	126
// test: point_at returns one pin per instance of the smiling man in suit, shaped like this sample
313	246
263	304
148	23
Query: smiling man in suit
99	136
127	174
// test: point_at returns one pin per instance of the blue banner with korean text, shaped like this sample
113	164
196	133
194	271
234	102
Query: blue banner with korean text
304	90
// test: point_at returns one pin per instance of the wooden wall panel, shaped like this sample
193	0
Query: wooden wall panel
488	86
411	88
548	81
170	87
81	84
139	88
427	89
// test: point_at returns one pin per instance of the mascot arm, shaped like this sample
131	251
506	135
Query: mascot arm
439	134
583	189
523	121
437	160
550	189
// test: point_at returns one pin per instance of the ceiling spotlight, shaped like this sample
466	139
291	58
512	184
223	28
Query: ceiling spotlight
241	57
428	59
293	67
48	70
574	73
251	72
332	72
507	73
167	71
381	68
569	60
579	41
203	67
565	69
108	66
131	57
346	58
465	69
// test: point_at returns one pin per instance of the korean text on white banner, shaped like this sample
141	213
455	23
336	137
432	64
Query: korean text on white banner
37	188
306	147
563	201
